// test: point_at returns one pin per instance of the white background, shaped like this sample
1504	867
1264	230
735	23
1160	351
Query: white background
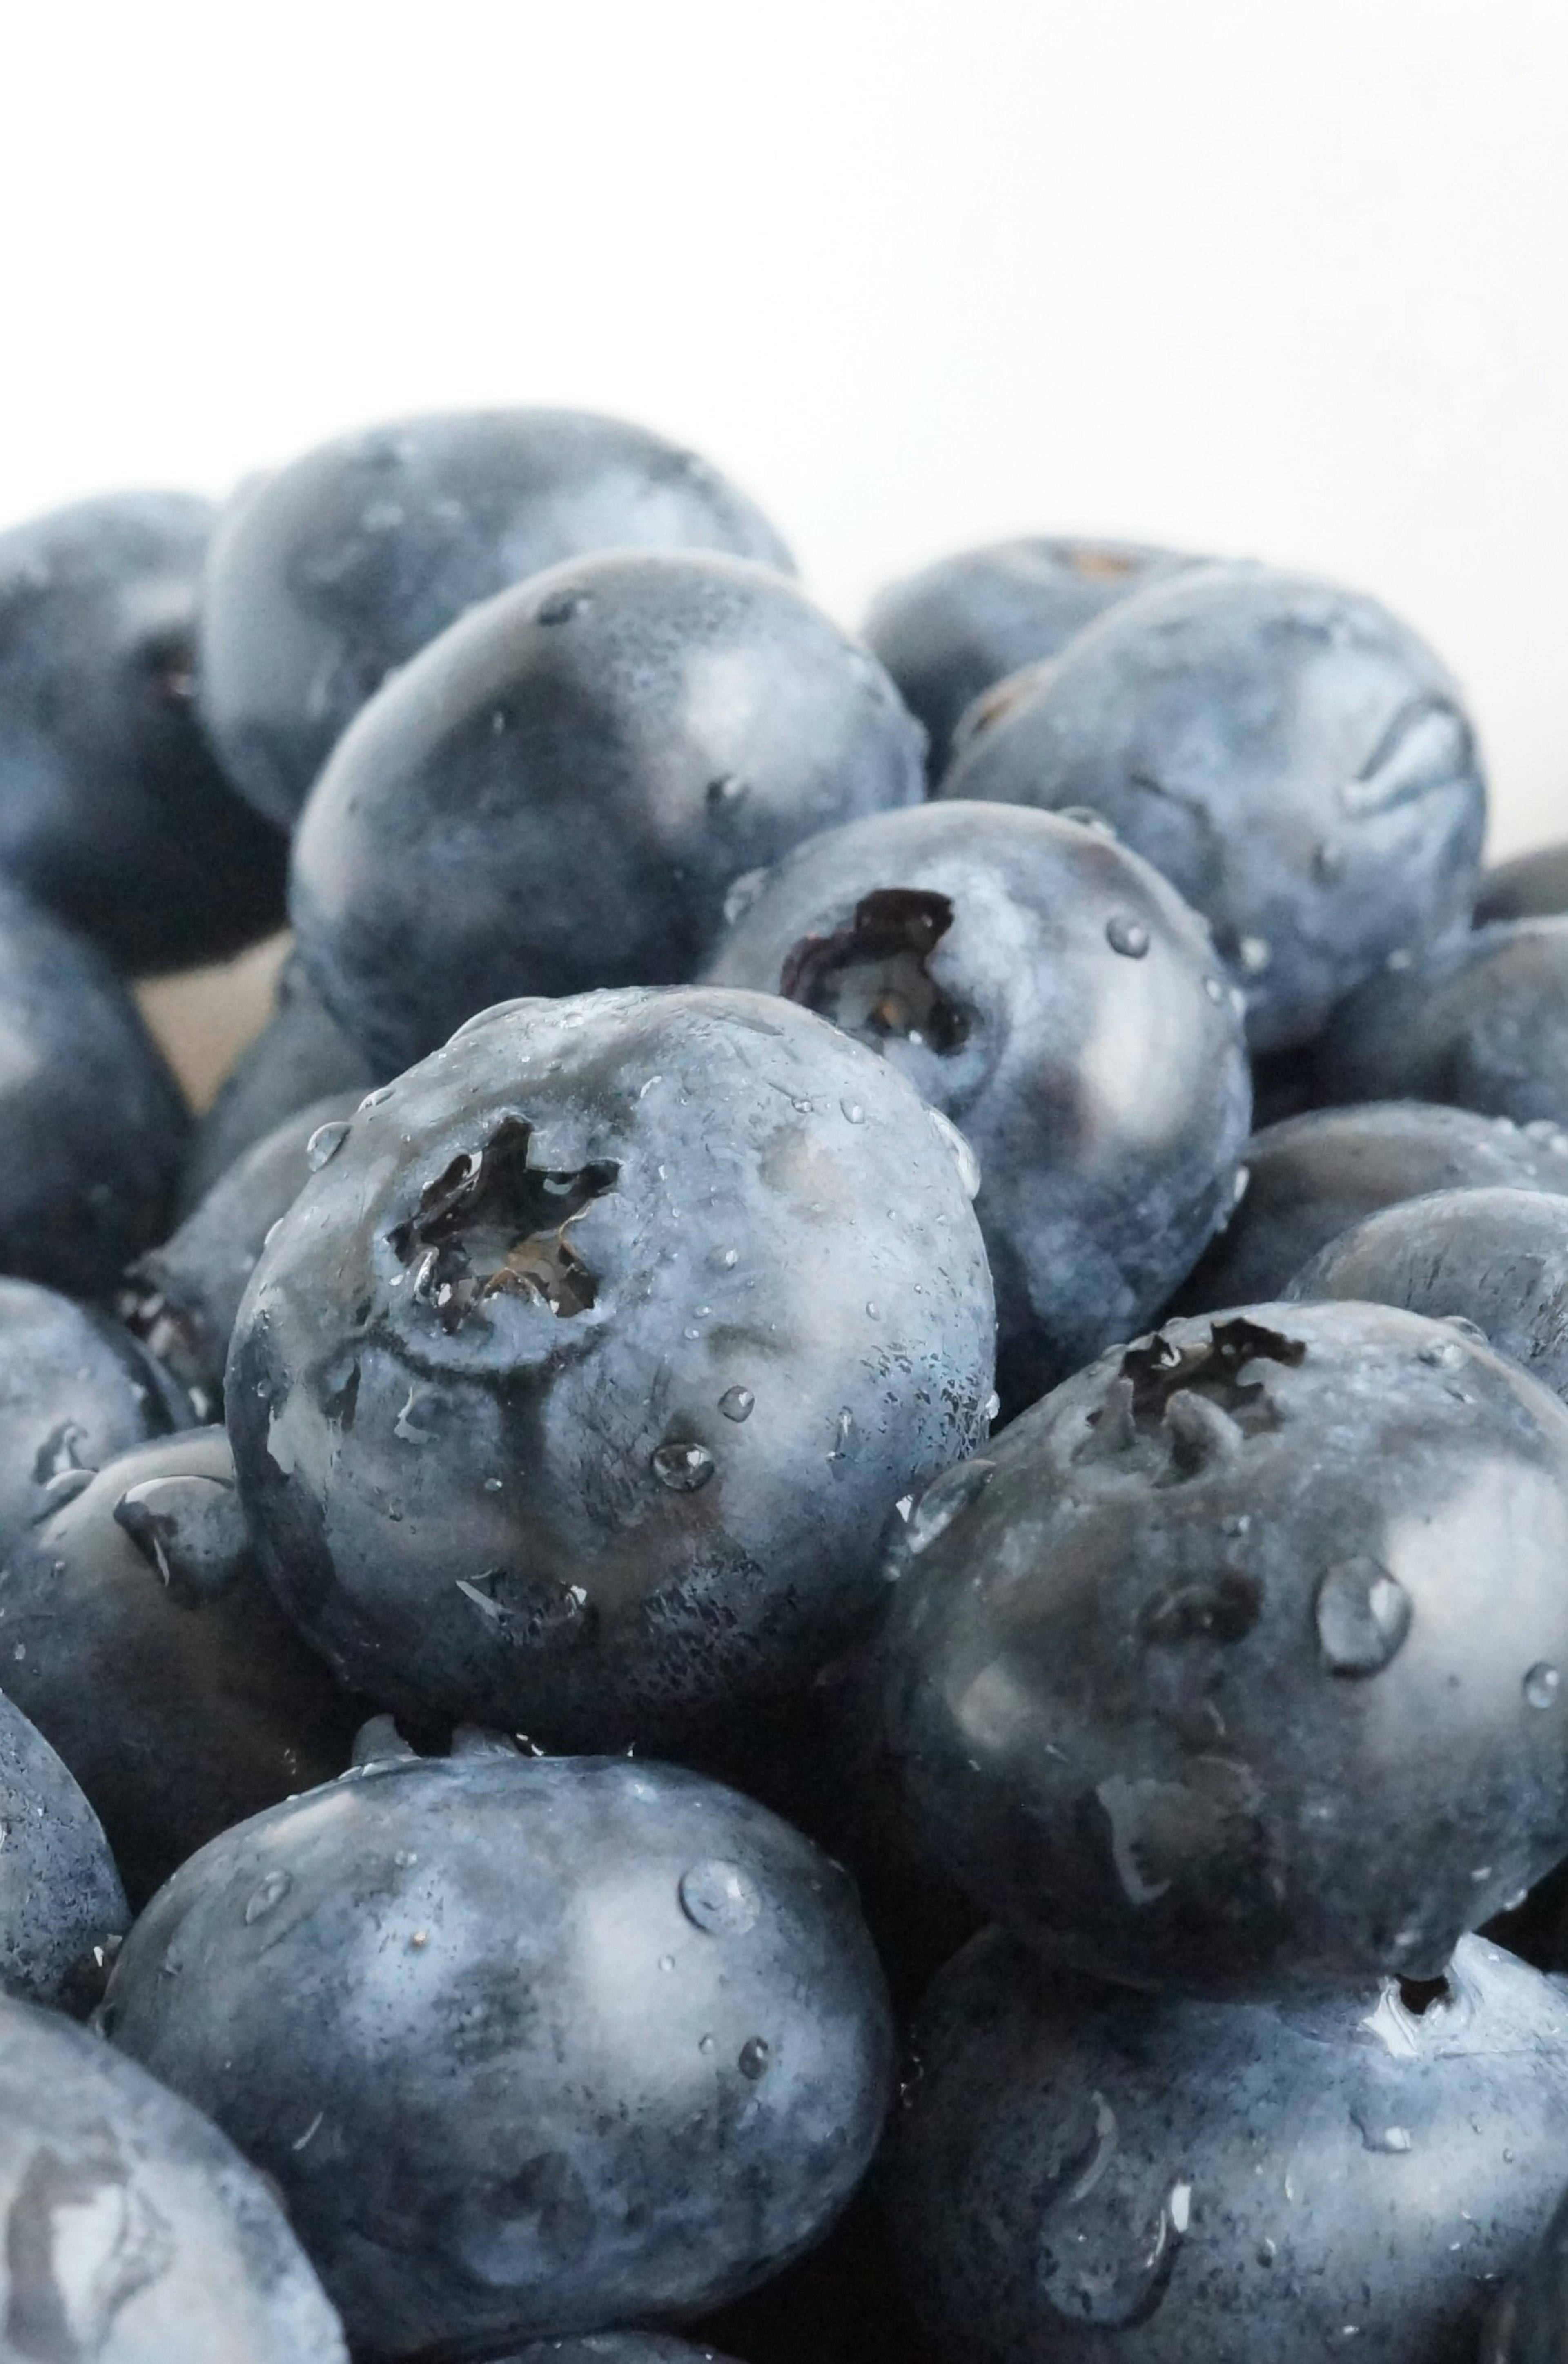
1256	277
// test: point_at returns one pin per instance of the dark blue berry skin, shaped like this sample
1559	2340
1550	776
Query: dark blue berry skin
574	1394
301	1055
75	1389
133	2233
1237	1663
1532	885
1293	758
137	1633
1481	1022
1529	2324
328	575
1313	1176
92	1118
562	792
1052	996
1105	2177
181	1299
960	626
524	2043
112	809
60	1899
1497	1258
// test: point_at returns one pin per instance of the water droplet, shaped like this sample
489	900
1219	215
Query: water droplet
704	2044
753	2060
1088	817
1327	864
1542	1685
666	1962
684	1469
729	1259
1129	937
1364	1615
743	892
1214	990
324	1145
843	1435
561	606
373	1099
727	790
1442	1355
718	1897
736	1403
405	1858
943	1501
1254	954
852	1111
1465	1327
271	1892
870	1309
1265	2253
492	1485
992	1405
1376	2135
1179	2206
963	1155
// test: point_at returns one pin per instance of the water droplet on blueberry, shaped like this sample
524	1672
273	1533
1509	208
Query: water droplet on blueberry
1364	1615
1129	937
324	1145
753	2060
736	1403
719	1898
1542	1685
271	1892
684	1468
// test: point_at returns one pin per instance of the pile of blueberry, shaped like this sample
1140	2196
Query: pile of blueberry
723	1619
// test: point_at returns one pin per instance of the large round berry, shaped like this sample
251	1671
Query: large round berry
331	572
1239	1662
576	1392
563	790
1495	1258
1051	995
1482	1022
60	1899
527	2044
1311	1176
134	2233
1084	2175
964	623
112	808
1291	755
138	1635
91	1117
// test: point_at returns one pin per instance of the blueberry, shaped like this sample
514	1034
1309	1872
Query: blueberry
112	808
1482	1022
1313	1176
1292	757
181	1299
1533	886
565	789
301	1055
1084	2173
1498	1260
76	1389
954	629
1049	993
136	1632
134	2233
528	2045
573	1393
1235	1664
328	575
92	1118
62	1904
1530	2323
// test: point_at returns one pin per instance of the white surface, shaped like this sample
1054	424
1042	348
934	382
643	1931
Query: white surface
1239	276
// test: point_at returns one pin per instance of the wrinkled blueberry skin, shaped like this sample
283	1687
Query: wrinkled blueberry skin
1533	886
131	2231
75	1389
181	1299
577	2038
328	575
560	792
1529	2324
59	1893
137	1633
629	1496
1482	1023
92	1118
112	810
1236	1665
301	1055
960	626
1315	1176
1497	1258
1103	1092
1291	756
1088	2174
